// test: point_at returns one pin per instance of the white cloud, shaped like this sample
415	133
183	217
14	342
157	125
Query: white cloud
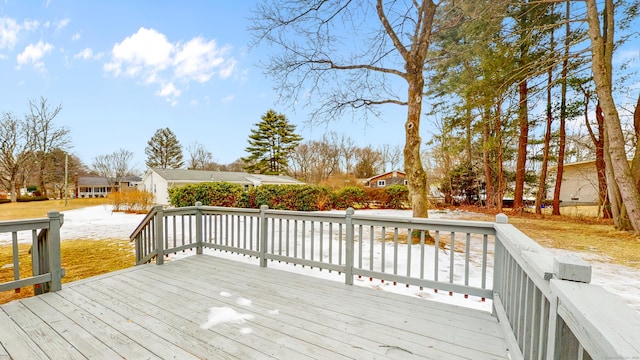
197	59
149	57
76	37
168	90
33	54
87	54
62	23
227	99
30	25
11	29
146	50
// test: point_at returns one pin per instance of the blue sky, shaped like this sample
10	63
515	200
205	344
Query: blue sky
122	69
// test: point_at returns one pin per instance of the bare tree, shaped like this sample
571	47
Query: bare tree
200	158
369	162
392	156
16	143
114	166
59	161
46	136
332	51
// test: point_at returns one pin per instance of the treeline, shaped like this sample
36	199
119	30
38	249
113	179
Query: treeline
289	197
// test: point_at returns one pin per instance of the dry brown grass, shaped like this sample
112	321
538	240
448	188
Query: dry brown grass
38	209
80	258
576	231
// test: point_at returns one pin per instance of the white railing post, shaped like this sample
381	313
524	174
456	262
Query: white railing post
198	228
498	260
263	236
349	249
571	267
502	219
55	261
159	234
567	267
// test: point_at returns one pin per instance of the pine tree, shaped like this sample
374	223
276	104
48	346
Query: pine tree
271	144
164	150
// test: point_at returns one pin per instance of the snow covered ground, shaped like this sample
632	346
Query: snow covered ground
99	222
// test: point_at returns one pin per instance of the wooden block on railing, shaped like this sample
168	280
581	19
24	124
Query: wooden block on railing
571	267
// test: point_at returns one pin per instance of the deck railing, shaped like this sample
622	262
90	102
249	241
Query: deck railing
545	304
47	271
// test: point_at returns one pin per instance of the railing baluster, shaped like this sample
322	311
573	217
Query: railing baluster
467	252
409	245
313	231
436	251
384	247
484	260
287	238
452	247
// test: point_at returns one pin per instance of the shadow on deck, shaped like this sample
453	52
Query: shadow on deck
208	307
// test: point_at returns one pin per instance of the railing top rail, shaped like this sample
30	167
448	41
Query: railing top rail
534	259
306	215
610	334
226	210
26	224
143	223
481	227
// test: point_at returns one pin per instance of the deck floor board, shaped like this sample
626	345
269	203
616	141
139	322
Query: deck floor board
164	312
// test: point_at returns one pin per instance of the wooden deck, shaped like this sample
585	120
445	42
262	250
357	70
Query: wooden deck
163	311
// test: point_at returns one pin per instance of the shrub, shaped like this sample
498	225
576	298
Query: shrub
376	197
4	201
397	196
350	196
293	197
211	194
135	201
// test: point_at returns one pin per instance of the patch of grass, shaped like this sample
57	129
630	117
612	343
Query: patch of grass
80	258
577	232
39	209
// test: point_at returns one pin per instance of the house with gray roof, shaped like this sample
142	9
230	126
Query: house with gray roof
100	186
159	181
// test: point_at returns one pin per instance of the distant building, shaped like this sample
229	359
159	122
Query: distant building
579	183
99	186
387	179
159	181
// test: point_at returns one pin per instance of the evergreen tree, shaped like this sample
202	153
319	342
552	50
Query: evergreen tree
271	144
164	150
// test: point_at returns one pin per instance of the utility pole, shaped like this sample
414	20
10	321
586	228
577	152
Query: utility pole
66	179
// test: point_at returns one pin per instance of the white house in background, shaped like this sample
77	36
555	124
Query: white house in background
159	181
579	183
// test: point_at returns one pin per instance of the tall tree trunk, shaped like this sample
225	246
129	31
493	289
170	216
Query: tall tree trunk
612	189
602	53
468	135
416	176
523	140
635	164
563	114
598	141
498	131
542	187
488	173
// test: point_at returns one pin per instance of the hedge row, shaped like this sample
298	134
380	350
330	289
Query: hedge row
288	197
32	198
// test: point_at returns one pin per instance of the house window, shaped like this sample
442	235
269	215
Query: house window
406	182
382	182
